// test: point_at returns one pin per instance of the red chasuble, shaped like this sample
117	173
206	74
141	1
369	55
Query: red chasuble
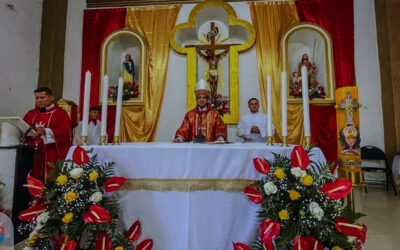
209	120
58	121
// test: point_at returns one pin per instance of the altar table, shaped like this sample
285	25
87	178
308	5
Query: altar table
190	196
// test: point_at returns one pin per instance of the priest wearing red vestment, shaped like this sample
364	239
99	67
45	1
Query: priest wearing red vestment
52	125
202	121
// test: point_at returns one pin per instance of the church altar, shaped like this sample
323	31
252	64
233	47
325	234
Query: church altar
190	196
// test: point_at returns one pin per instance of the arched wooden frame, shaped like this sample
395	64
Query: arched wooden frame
142	69
329	62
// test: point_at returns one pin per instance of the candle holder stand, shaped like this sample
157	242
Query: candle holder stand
103	141
284	141
116	140
269	141
84	141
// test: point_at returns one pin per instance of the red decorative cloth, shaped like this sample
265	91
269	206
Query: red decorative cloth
337	18
97	25
209	120
58	121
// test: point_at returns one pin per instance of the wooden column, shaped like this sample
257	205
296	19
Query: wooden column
388	35
52	44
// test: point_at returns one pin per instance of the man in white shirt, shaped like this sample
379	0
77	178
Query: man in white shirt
94	128
253	127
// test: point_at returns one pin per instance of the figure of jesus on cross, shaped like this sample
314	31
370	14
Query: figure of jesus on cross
211	57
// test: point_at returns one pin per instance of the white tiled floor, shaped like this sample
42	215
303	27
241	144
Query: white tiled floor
383	217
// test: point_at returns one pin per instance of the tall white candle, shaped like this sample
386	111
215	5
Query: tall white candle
284	105
104	102
306	107
119	106
269	107
86	102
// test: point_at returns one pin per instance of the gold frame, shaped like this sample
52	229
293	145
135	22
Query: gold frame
331	85
143	71
233	117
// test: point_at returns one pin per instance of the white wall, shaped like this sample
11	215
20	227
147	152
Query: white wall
174	102
73	50
20	27
368	74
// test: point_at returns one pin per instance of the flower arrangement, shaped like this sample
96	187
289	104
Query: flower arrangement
130	90
220	103
76	200
303	209
314	90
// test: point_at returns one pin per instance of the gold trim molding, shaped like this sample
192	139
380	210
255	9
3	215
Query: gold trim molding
127	3
186	185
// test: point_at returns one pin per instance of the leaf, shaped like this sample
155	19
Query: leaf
32	213
269	230
103	242
145	245
261	165
35	187
337	189
300	243
114	183
240	246
133	232
96	214
299	158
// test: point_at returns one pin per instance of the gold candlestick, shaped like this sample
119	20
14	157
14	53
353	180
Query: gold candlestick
308	141
103	141
84	141
269	141
116	140
284	141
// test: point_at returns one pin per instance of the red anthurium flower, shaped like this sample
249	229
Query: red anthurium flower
32	213
145	245
261	165
300	244
114	183
337	189
65	243
103	242
96	214
133	232
268	246
240	246
299	158
351	229
35	187
313	244
253	194
79	156
269	230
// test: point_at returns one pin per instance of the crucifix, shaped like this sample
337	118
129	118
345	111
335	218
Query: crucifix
211	57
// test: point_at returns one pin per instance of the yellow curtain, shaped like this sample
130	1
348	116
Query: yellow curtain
139	123
271	20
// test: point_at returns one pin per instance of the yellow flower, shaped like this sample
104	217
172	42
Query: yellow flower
119	248
337	248
280	173
284	215
70	196
307	180
32	239
93	176
67	217
62	179
294	195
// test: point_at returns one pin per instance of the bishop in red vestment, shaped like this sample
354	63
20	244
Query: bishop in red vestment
202	120
52	125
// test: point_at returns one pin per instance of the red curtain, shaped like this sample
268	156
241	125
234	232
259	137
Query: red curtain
97	25
337	18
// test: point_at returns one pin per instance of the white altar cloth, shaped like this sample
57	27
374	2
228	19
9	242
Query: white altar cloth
190	217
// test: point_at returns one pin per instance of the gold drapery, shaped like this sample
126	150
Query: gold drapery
271	20
139	123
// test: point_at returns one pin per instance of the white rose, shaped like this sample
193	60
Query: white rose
316	211
303	173
43	218
28	248
76	173
270	188
298	172
96	197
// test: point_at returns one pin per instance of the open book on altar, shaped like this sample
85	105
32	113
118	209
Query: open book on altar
20	124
